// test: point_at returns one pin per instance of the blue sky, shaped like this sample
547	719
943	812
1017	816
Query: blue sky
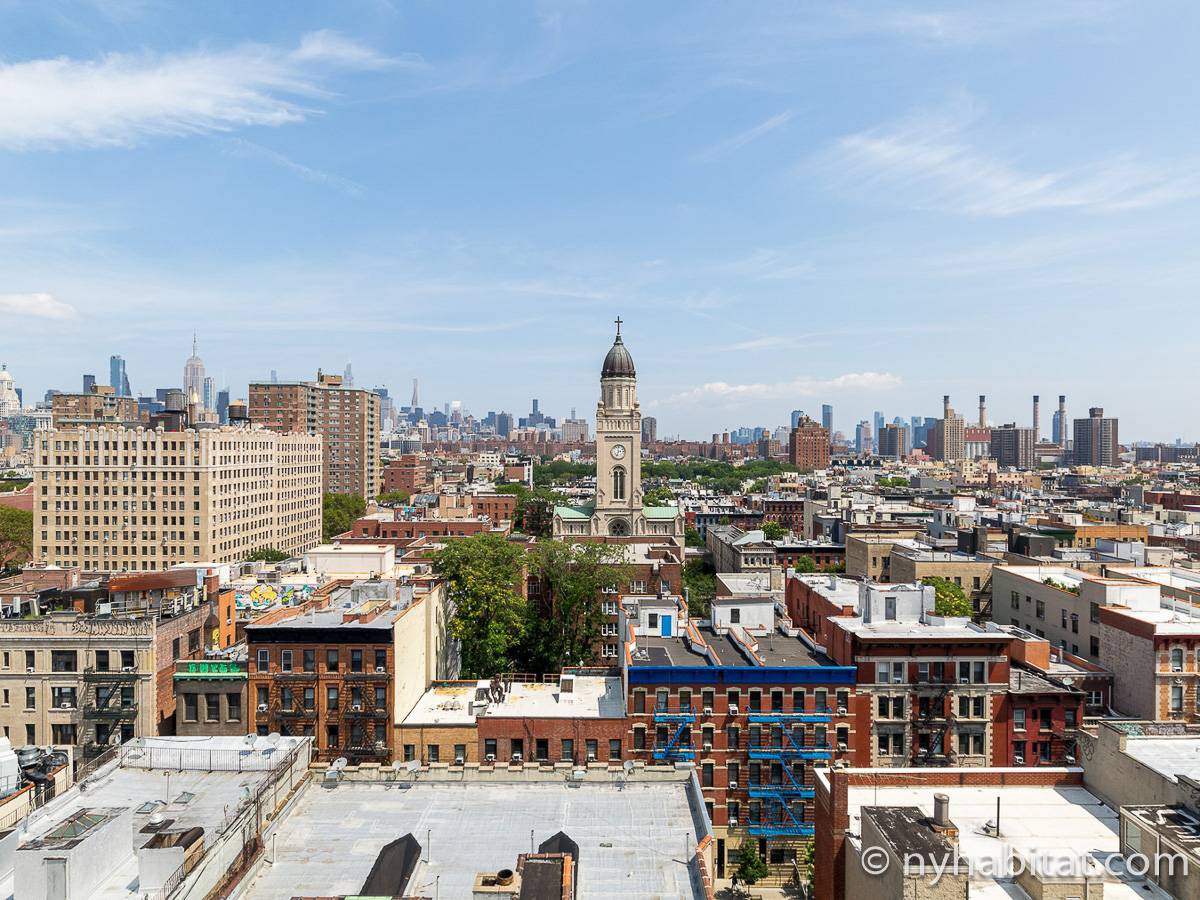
866	204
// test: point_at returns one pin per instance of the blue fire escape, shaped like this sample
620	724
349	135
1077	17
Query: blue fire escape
679	722
782	745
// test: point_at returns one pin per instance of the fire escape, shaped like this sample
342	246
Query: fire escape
783	746
678	724
359	743
112	702
933	721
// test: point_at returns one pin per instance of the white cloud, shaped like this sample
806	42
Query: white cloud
930	162
738	141
804	386
967	24
250	150
37	306
121	99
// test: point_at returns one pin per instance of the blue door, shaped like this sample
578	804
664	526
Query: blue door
666	626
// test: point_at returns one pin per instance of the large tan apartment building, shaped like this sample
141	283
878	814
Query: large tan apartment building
346	418
142	500
99	406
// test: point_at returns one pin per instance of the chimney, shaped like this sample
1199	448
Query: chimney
941	810
982	411
1062	420
945	406
1037	417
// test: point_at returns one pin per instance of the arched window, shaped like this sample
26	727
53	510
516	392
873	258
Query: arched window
618	483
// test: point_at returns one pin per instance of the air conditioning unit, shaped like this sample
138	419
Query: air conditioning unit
841	711
357	707
65	706
733	823
708	711
842	748
458	760
964	681
262	707
1018	760
733	785
1176	668
708	748
591	757
733	710
29	669
491	757
1070	759
380	669
516	757
128	668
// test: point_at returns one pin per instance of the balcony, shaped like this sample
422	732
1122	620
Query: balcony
676	752
788	747
373	675
685	713
295	712
294	676
110	712
787	788
818	715
781	829
111	676
371	751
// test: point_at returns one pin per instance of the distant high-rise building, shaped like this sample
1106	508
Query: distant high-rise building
827	417
348	376
649	429
1012	446
274	377
864	444
982	411
117	377
797	415
223	406
504	424
347	418
948	439
416	397
1037	418
210	394
1096	440
878	422
193	377
893	441
89	382
1059	425
808	445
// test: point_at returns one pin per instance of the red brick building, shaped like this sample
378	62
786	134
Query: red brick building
406	475
808	445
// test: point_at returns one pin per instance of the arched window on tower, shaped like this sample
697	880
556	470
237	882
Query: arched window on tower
618	483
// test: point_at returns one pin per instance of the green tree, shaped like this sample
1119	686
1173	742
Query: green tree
805	565
950	600
659	496
266	554
565	629
773	531
751	867
701	586
16	535
691	537
484	575
809	861
392	498
338	512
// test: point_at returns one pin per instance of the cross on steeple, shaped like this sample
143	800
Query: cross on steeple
618	321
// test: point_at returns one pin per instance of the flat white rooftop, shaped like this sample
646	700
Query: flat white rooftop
1170	756
1061	822
592	697
632	840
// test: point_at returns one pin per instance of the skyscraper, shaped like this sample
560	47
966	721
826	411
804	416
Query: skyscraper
416	397
117	377
1096	440
649	429
223	406
193	377
864	442
1012	446
808	446
893	440
348	376
826	417
879	422
1037	419
89	382
797	415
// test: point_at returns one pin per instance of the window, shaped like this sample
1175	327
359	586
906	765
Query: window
460	753
264	660
285	661
356	660
1176	659
191	707
652	620
592	749
798	700
1094	646
331	699
618	483
310	660
568	750
706	775
1015	600
62	697
614	749
1041	609
732	697
735	615
331	660
31	698
542	749
410	752
233	707
380	660
331	736
639	701
1094	613
1176	699
63	661
212	707
639	738
489	748
1069	718
310	699
433	753
1018	720
262	697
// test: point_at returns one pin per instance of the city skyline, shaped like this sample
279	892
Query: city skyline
306	188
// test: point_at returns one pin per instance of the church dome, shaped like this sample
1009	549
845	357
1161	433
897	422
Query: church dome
618	363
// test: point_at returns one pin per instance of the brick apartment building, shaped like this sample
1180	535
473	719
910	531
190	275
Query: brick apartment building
347	420
407	475
808	445
753	707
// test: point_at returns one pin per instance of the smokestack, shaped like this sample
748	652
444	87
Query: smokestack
941	810
945	406
1062	420
1037	418
982	411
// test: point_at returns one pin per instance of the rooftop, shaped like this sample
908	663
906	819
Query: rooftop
1056	823
631	838
450	703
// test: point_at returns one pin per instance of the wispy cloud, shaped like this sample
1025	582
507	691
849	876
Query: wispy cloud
768	264
36	306
804	386
122	99
929	161
969	24
244	149
749	136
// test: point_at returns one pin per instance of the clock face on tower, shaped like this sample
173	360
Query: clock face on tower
618	451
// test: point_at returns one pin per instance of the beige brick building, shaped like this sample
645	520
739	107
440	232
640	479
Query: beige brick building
138	500
99	406
348	419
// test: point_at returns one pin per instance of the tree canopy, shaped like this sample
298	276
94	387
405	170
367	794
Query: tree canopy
535	508
338	512
951	599
392	498
691	537
16	535
484	577
751	867
701	586
266	554
773	531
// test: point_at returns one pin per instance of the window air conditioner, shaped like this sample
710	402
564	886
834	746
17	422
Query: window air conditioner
64	706
491	757
708	748
458	760
964	681
708	710
733	785
841	711
842	748
733	823
1070	759
380	669
29	669
733	710
262	707
1018	760
516	757
357	707
591	757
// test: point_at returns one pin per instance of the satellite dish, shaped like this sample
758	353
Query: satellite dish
249	740
340	763
628	766
414	765
273	738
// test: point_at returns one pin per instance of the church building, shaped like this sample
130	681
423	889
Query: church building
616	511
